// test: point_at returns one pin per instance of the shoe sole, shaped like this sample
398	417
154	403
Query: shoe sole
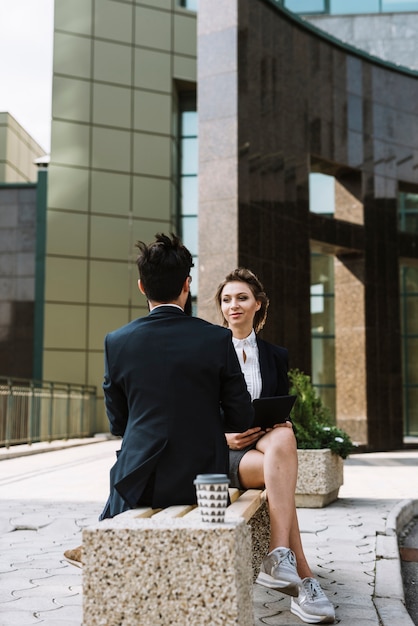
76	563
310	619
290	589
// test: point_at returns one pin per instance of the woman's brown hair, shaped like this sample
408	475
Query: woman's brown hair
243	275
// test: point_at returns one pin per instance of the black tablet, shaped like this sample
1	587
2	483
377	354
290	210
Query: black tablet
274	410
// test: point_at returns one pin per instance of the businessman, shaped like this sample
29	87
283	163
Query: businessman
167	375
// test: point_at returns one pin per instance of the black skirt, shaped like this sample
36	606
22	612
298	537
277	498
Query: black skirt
235	457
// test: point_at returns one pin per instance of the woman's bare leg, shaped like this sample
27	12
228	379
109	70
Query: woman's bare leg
274	464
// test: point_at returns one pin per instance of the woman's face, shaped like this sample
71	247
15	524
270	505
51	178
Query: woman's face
238	306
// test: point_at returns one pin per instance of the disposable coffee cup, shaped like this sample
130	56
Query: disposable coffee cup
212	496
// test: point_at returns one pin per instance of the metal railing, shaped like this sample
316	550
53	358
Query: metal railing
33	411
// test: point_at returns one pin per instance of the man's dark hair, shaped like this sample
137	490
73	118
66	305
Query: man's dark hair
163	267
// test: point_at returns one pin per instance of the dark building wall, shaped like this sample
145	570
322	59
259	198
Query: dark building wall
304	103
17	279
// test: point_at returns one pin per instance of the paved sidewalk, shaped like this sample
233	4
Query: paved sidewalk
46	500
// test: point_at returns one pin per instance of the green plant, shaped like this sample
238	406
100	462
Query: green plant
312	420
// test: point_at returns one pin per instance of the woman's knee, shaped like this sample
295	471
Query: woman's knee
281	439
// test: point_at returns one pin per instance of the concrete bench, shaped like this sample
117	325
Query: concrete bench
157	567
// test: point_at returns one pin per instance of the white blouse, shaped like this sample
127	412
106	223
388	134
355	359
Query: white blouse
250	364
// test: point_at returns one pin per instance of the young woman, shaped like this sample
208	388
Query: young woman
259	458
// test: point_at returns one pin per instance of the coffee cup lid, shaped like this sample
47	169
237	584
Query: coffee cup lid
209	479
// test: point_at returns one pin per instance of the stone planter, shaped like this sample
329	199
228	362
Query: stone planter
320	477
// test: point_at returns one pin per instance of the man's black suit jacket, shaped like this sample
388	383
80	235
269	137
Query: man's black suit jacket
166	377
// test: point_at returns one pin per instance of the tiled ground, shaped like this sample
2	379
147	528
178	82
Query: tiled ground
46	499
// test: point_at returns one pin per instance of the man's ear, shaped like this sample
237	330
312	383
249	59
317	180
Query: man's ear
140	286
186	284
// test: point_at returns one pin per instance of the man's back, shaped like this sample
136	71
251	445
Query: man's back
166	377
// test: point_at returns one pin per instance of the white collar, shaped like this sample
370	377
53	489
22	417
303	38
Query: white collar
251	340
158	306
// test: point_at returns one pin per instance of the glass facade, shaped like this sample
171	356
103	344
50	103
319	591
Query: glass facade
409	329
189	4
323	328
187	224
322	194
340	7
306	6
322	201
408	212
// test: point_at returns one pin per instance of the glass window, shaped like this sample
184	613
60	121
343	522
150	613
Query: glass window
349	7
305	6
187	199
189	4
189	156
354	6
323	328
189	232
411	411
355	112
408	212
409	333
389	6
189	124
321	193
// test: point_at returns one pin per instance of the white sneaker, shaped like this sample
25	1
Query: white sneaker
278	571
312	605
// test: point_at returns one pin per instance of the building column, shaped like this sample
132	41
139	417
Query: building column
350	346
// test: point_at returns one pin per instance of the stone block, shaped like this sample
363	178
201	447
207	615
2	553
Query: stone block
387	547
389	580
167	571
260	536
320	476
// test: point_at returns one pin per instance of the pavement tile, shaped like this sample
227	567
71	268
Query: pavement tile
43	603
18	618
393	612
14	581
67	579
31	574
53	589
71	600
340	540
30	521
6	596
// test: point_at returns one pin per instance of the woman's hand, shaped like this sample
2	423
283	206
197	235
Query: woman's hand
288	424
238	441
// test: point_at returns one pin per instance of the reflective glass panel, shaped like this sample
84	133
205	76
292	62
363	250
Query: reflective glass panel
322	271
323	369
195	276
323	328
354	6
321	193
328	395
409	294
189	124
355	112
409	329
189	197
189	4
189	156
408	212
190	233
411	411
411	360
389	6
305	6
187	201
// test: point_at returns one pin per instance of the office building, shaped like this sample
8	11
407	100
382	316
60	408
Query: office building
308	174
